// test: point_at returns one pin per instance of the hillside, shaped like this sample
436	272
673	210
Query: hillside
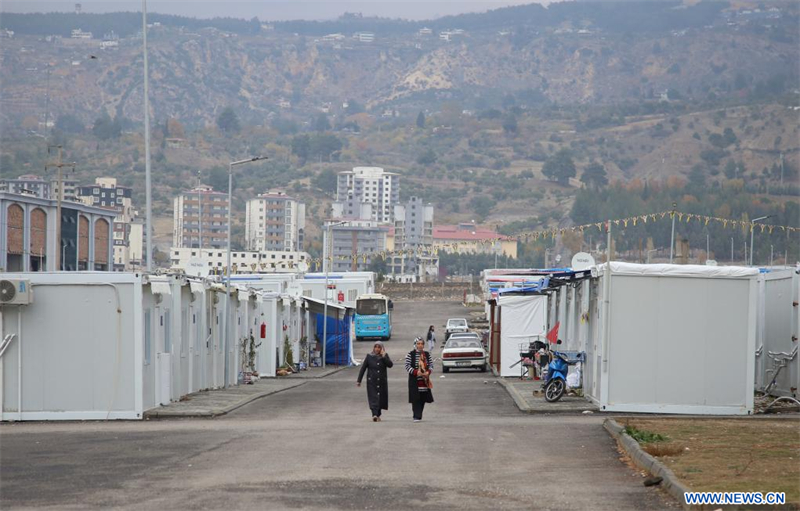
699	104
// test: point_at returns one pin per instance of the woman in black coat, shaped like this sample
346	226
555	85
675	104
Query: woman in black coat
419	365
375	365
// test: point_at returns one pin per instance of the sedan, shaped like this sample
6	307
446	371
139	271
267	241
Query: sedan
463	336
463	353
455	325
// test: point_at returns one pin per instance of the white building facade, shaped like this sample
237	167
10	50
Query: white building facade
216	260
275	221
367	185
200	218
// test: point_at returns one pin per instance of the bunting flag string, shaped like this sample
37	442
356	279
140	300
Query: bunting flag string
535	235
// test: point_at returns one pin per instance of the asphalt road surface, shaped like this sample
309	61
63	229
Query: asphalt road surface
315	447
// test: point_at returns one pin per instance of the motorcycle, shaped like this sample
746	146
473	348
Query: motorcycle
555	383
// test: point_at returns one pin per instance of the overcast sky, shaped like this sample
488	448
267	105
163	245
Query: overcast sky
272	9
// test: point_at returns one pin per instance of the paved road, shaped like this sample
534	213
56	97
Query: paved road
315	447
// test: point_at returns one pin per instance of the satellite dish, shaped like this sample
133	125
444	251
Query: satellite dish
582	261
197	267
302	266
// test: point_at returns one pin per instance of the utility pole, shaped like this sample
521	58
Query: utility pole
47	107
672	238
200	216
781	171
59	164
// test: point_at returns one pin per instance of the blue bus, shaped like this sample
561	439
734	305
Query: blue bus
373	317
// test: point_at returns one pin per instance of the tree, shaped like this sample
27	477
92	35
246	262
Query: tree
729	136
300	146
482	205
324	145
427	158
353	107
594	176
68	123
228	121
322	123
420	119
218	179
510	124
106	128
560	167
326	180
697	176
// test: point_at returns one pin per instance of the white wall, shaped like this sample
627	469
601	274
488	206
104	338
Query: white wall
679	344
78	351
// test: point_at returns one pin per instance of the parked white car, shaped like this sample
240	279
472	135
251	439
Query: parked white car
463	353
455	325
463	335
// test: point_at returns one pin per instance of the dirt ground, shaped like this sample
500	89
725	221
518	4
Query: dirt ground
729	454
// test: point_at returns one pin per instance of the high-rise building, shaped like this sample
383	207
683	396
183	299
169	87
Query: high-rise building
354	245
275	221
200	212
367	185
413	241
105	193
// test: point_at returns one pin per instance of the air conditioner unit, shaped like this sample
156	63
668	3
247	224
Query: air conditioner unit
15	292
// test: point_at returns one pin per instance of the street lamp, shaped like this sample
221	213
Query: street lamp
326	267
752	230
225	324
148	189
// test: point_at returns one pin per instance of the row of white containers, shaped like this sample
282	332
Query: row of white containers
112	345
675	338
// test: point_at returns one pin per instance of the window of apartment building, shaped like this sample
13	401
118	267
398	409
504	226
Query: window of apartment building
95	191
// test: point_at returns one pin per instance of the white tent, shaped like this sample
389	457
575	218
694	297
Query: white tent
674	339
522	318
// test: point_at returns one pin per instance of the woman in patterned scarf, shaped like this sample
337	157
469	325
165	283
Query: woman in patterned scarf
419	365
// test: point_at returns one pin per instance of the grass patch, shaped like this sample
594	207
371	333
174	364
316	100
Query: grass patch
727	454
643	436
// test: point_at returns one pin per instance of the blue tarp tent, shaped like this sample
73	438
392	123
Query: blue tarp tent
337	346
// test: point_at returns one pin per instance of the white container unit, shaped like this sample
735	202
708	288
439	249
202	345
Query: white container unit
778	317
350	285
76	351
673	339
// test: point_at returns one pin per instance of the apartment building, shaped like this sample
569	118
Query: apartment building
106	194
275	221
368	185
200	218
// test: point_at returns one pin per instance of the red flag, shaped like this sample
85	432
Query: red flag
552	335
